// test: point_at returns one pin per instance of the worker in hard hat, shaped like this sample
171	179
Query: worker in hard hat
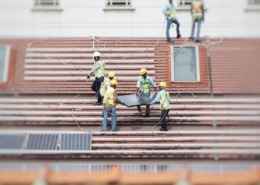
197	12
98	69
109	106
170	14
144	84
164	98
106	83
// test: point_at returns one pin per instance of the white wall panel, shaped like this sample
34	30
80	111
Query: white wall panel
224	18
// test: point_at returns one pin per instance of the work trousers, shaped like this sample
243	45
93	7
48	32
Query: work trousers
109	111
164	113
198	29
169	22
96	87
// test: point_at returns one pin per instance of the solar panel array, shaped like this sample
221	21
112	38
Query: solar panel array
75	142
46	141
42	142
129	167
11	141
135	100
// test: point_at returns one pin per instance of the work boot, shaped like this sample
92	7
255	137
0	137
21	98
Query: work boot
197	40
163	129
97	103
178	36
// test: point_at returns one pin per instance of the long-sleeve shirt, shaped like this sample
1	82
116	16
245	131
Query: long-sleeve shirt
150	81
158	97
94	68
167	7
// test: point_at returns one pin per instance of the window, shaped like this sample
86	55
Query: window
185	64
4	63
254	2
46	2
46	5
185	2
118	3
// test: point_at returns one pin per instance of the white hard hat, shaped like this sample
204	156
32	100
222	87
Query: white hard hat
96	54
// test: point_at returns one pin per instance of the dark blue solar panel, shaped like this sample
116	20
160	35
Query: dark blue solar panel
42	141
11	141
134	99
75	142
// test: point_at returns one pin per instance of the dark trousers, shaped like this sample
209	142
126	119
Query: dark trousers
96	87
164	113
169	22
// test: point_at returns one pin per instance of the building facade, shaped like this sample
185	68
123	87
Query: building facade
123	18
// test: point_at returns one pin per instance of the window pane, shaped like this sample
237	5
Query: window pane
185	68
2	63
254	2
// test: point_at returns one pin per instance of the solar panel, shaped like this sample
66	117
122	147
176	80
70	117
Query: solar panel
11	141
42	141
75	142
134	99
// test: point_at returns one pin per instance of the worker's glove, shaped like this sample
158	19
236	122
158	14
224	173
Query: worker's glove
88	77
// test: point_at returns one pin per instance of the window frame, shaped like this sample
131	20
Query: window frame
109	3
197	64
39	6
253	3
8	62
182	3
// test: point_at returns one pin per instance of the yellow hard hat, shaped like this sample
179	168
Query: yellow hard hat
143	71
113	82
111	74
162	84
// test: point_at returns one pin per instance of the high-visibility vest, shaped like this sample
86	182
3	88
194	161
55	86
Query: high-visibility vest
105	86
171	12
100	70
165	104
109	97
197	9
145	86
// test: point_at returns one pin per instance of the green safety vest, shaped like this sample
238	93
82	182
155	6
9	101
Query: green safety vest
109	97
165	104
197	9
171	12
100	71
145	86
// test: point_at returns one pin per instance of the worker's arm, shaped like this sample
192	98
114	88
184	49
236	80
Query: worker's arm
165	10
137	86
115	97
203	12
94	68
156	99
168	97
152	83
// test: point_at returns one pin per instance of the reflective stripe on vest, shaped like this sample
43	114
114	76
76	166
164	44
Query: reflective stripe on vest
197	10
101	69
165	105
171	12
145	86
109	97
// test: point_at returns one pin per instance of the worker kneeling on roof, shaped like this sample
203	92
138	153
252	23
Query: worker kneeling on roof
106	83
109	106
164	98
144	84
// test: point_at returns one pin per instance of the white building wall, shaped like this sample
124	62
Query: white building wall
82	18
